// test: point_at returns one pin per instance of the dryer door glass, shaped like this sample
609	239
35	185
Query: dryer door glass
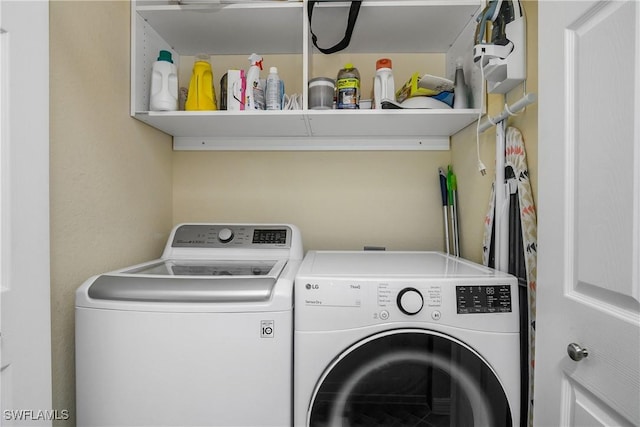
409	378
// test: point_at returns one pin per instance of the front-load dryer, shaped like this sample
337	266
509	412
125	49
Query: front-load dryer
404	339
200	337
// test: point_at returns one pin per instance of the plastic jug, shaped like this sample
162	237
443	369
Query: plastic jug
201	94
164	84
383	84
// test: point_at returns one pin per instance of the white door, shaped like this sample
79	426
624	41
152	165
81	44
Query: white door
25	330
589	214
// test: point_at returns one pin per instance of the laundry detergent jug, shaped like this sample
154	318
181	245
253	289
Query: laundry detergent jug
164	84
201	94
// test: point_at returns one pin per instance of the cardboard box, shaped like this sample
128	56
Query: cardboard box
236	88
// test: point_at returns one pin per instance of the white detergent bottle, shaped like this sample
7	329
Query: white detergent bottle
164	84
254	96
273	91
383	84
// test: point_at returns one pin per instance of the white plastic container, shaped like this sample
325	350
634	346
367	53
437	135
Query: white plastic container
383	84
164	84
321	93
273	91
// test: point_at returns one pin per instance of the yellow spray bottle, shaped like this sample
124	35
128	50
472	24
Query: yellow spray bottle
201	94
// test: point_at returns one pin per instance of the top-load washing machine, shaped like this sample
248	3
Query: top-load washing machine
200	337
404	339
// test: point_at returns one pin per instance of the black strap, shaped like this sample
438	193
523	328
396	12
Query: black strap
353	15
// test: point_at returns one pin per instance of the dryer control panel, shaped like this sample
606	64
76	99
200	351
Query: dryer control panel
483	299
348	290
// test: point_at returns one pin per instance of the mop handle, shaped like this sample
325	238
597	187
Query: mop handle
452	187
443	191
443	186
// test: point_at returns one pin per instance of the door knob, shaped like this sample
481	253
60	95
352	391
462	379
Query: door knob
576	353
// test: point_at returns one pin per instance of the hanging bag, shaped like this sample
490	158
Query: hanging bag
353	16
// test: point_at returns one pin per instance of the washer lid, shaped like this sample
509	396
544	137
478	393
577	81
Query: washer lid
209	268
191	281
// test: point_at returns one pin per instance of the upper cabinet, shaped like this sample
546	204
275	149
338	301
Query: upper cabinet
423	36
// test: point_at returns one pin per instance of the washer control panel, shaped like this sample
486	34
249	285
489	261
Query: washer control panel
231	235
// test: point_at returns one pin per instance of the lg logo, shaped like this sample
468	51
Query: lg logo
309	286
267	329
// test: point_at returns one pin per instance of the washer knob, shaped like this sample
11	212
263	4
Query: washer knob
225	235
410	301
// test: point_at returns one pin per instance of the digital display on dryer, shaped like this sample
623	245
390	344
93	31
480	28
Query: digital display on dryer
483	299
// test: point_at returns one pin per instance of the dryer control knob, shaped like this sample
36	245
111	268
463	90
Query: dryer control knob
410	301
225	235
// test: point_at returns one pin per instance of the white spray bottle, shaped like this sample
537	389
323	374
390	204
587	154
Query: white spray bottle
254	97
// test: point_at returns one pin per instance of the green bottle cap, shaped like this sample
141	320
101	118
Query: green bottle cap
348	66
165	55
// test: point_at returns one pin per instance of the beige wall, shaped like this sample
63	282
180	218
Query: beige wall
110	174
117	188
474	189
340	200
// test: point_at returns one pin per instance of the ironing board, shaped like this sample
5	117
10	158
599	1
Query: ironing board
522	243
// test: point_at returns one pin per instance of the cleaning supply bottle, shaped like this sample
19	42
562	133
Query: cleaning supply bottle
383	84
164	84
254	97
202	95
348	88
460	90
273	92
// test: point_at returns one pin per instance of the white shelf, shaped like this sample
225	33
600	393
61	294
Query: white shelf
225	124
305	130
389	123
282	27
